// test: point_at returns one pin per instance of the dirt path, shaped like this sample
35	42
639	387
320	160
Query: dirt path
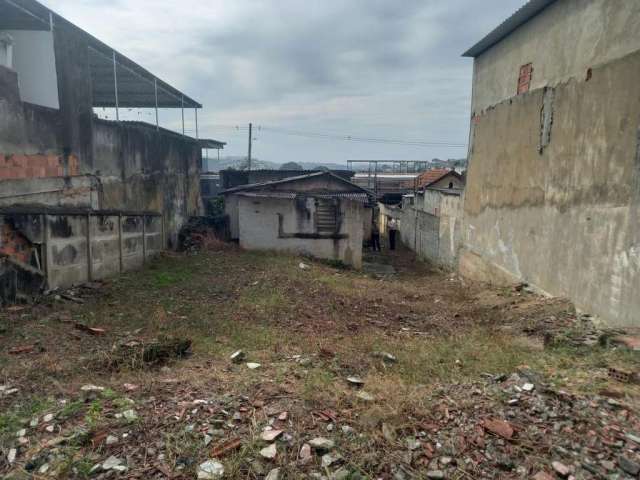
413	375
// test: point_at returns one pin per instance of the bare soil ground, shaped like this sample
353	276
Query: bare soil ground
452	379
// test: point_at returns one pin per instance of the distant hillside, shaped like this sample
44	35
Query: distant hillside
240	163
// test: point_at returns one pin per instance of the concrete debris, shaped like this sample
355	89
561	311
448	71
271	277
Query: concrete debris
238	356
210	470
561	469
130	415
304	456
273	474
253	366
528	387
436	474
11	456
355	381
329	460
269	452
113	463
500	428
365	397
629	466
321	444
111	440
91	388
271	435
386	357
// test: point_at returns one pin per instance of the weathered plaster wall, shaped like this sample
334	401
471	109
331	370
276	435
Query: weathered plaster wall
260	228
565	218
145	170
133	166
562	42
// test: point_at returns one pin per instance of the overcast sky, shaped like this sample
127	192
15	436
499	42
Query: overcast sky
370	68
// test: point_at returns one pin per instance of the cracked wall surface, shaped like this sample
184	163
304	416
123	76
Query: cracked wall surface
565	217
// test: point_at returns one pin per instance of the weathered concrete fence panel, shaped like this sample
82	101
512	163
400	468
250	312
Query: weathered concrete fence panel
67	248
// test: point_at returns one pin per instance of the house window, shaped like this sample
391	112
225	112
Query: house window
450	185
524	80
326	216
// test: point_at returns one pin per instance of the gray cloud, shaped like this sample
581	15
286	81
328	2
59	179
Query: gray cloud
378	68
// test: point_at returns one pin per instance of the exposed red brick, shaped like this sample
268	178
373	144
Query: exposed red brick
14	244
18	166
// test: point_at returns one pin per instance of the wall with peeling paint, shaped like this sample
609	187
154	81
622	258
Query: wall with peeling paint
128	165
553	191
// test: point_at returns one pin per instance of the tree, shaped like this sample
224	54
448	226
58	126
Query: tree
291	166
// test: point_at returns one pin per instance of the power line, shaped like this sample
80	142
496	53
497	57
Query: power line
348	138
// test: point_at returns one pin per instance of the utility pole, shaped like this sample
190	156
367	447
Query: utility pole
250	142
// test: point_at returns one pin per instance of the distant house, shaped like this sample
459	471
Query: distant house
318	214
440	178
553	186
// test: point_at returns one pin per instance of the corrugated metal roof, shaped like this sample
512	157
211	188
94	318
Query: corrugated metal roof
522	16
360	197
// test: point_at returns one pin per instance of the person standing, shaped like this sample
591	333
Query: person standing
375	237
393	232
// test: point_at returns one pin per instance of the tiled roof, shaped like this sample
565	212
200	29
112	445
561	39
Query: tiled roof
431	176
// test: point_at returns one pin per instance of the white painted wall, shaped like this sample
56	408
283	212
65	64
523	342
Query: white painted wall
258	228
562	42
35	62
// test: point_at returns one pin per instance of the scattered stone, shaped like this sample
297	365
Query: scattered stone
238	357
355	381
365	397
341	474
11	456
629	466
561	469
386	357
130	387
542	476
253	366
271	435
328	460
33	423
113	463
207	440
528	387
304	456
633	437
111	440
50	428
322	444
413	444
43	469
347	430
435	474
608	465
269	452
21	433
91	388
500	428
273	474
283	417
47	418
130	415
303	266
445	461
388	433
210	470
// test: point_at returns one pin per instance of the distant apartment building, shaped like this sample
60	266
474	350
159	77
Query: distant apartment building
553	186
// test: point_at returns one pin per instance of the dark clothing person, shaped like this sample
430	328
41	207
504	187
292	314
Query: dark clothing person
393	231
375	238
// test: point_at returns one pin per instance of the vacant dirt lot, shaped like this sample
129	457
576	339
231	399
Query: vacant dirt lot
418	375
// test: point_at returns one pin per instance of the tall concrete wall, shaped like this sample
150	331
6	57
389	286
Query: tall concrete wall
288	225
133	166
553	191
562	42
